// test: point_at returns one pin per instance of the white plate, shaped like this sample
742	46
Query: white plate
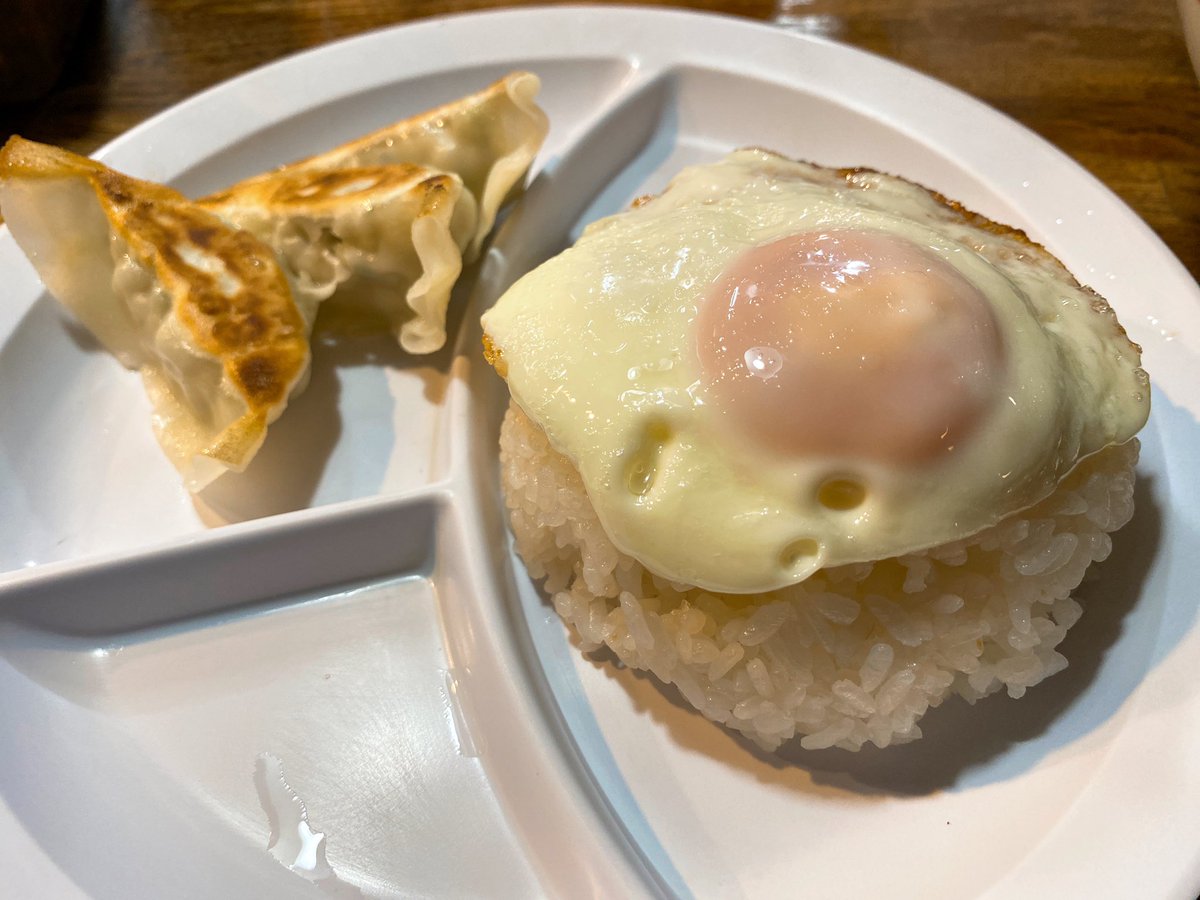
361	620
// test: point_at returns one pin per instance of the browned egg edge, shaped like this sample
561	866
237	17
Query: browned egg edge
1019	241
1013	235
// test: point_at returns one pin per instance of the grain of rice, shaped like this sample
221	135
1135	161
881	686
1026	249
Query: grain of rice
853	697
732	630
876	666
635	621
813	711
726	659
838	609
947	604
704	650
954	554
963	657
748	708
763	623
828	736
760	677
773	722
915	568
1046	556
1066	612
1019	615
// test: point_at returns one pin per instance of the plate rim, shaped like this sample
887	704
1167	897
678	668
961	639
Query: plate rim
134	141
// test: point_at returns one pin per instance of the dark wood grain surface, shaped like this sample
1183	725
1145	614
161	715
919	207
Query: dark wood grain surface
1108	81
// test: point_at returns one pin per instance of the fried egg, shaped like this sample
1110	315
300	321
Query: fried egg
775	367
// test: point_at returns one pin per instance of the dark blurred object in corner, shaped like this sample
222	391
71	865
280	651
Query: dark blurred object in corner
34	41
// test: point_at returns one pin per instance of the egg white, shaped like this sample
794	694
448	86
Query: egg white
598	347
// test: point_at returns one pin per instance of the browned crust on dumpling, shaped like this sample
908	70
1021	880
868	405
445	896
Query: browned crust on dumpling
255	327
386	142
319	190
238	308
438	190
23	159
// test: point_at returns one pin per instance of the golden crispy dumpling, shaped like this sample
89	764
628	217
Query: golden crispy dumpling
387	239
487	139
388	219
203	310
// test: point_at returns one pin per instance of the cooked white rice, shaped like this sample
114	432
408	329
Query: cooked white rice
854	654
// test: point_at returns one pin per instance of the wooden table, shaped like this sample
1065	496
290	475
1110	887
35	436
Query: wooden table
1108	81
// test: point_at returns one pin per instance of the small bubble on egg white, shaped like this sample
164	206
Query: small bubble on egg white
763	362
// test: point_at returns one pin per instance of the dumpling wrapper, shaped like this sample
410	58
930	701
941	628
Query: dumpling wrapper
216	318
488	139
202	310
485	142
363	238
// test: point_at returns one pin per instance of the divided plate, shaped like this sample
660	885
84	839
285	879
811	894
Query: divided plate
347	618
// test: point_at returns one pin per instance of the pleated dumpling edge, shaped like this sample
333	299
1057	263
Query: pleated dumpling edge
201	309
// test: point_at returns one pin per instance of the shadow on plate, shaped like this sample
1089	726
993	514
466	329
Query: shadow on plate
294	461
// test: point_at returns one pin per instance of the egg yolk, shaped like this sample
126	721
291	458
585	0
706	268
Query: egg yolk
848	344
